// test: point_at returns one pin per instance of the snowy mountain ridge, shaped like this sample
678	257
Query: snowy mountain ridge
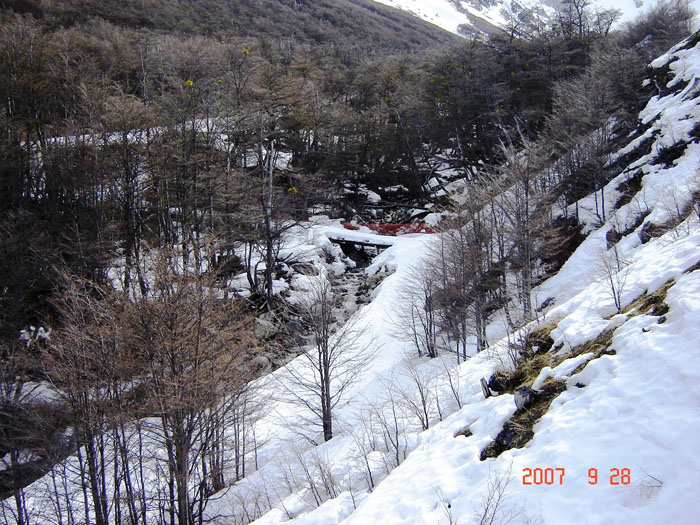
479	16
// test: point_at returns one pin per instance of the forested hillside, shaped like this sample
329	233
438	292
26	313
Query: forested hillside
192	195
342	23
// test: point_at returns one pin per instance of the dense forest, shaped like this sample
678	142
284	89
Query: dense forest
151	149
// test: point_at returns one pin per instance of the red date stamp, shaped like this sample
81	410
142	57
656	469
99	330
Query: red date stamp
555	476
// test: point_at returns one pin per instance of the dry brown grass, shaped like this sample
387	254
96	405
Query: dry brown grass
518	430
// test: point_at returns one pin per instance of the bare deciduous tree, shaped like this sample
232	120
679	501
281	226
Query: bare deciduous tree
86	363
467	276
318	380
168	369
391	424
365	438
521	198
418	322
414	389
194	345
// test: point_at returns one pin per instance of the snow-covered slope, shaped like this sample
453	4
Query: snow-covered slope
484	15
617	445
466	16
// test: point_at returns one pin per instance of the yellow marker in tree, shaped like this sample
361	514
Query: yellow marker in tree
189	83
292	190
246	51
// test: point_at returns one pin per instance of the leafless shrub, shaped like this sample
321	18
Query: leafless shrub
446	506
391	425
414	389
453	381
615	268
495	508
365	439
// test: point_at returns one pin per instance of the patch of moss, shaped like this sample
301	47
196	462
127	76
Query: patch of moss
598	346
541	338
529	368
524	375
651	304
518	430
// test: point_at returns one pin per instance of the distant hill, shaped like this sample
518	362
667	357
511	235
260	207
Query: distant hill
359	23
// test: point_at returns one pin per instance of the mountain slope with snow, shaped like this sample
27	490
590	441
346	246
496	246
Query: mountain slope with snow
634	408
616	445
468	16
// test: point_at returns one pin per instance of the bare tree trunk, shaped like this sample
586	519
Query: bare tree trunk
94	476
184	512
269	236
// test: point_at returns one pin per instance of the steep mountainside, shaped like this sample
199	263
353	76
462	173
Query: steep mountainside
472	16
617	348
612	359
360	23
214	308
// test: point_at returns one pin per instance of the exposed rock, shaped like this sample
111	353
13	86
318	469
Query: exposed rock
511	436
485	388
612	237
518	430
549	301
497	382
305	268
261	361
524	396
264	329
466	432
645	234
